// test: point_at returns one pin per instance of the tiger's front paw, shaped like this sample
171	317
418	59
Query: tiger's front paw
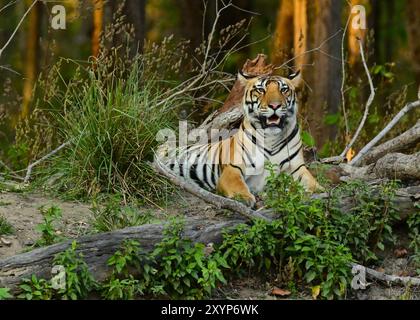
247	198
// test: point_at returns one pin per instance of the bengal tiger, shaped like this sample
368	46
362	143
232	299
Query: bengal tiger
235	167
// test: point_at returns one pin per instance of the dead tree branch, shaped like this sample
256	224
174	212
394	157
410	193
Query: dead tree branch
404	141
32	165
368	103
17	27
389	279
214	199
356	160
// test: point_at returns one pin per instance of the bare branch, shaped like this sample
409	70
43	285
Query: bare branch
343	78
391	124
318	48
389	279
17	27
402	142
32	165
368	103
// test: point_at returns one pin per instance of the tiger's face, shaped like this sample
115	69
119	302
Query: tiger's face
270	102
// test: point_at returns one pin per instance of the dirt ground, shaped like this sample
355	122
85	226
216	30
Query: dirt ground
21	210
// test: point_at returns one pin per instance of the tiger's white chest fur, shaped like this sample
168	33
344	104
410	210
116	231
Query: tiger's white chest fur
282	149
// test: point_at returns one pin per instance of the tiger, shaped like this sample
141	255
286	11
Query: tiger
235	167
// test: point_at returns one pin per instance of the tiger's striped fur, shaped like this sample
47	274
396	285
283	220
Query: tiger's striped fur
269	132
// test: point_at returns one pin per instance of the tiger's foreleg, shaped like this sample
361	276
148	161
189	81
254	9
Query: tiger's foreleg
231	184
307	180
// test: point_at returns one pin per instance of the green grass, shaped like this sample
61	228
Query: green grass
5	226
112	123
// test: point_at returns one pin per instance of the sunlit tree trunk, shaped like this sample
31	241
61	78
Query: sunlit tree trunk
300	25
98	12
31	56
413	28
326	77
355	33
283	36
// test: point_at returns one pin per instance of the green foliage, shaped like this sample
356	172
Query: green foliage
36	289
17	155
122	285
113	215
307	139
48	229
110	113
4	294
183	268
310	242
300	242
368	225
5	226
176	268
79	281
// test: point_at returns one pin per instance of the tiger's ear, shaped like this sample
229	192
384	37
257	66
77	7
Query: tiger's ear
243	78
296	80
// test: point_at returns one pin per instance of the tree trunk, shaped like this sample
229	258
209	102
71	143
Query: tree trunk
283	36
32	56
413	28
98	12
300	25
326	78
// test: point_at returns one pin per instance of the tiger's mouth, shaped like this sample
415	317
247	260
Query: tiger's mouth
273	121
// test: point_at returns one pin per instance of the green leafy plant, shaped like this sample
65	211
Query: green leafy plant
122	284
113	215
36	289
5	226
79	281
5	294
48	229
183	268
369	223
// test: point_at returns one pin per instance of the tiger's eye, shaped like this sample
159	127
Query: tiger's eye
284	90
260	90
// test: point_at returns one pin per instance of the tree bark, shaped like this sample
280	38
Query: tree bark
98	13
413	29
404	141
392	166
326	78
300	39
32	56
283	36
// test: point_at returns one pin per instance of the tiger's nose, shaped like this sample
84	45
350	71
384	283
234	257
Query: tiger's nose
274	105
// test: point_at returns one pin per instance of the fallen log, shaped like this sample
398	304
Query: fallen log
404	141
217	201
391	166
97	249
404	201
